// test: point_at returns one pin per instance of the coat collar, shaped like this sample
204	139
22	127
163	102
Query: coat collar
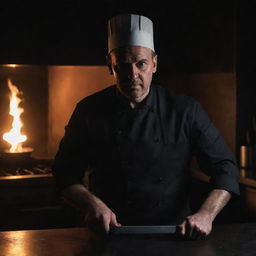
147	104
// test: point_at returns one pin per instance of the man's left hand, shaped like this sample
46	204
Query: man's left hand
196	226
199	225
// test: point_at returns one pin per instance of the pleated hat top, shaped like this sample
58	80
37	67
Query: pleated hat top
130	30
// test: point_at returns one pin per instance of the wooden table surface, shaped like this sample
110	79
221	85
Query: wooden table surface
225	240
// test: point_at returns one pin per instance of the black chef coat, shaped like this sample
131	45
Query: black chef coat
139	158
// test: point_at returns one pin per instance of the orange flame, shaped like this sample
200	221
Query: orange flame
14	136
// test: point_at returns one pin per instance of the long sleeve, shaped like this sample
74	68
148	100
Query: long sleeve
71	159
213	154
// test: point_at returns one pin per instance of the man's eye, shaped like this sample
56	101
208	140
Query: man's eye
141	64
121	66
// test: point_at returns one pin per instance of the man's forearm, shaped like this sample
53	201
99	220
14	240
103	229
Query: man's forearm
200	223
215	202
78	196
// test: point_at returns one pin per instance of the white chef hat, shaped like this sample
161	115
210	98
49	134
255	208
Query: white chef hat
130	29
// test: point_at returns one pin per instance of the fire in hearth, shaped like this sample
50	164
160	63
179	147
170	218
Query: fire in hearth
15	137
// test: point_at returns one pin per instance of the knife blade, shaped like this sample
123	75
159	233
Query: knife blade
143	230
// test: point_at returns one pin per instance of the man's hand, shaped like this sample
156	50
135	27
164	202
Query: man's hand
99	214
196	226
199	225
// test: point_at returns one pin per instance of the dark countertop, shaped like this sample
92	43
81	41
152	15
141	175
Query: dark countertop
225	240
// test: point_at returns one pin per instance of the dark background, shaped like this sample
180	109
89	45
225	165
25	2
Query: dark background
190	36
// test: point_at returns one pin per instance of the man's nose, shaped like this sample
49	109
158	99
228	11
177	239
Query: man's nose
133	72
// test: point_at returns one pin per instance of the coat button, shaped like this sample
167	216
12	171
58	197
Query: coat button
159	180
124	162
134	176
119	132
156	139
158	204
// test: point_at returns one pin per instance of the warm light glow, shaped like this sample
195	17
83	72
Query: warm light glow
18	245
14	136
12	65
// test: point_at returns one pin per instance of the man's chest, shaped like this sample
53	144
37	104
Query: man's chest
137	140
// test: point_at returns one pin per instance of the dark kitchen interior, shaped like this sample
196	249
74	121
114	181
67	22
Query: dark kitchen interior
206	49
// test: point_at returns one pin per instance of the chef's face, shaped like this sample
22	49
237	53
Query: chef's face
133	68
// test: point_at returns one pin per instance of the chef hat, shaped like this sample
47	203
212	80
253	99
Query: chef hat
130	29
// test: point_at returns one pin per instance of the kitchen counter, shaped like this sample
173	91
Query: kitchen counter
225	240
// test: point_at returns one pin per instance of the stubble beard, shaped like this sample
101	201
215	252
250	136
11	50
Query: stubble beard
137	95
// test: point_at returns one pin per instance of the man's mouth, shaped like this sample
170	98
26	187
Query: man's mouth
134	88
134	84
130	86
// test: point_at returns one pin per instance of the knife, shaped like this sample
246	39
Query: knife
143	230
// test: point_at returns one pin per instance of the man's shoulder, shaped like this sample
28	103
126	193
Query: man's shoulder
176	99
99	97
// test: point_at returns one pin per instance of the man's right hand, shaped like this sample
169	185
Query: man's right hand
99	214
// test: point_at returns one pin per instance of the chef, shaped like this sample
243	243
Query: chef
133	142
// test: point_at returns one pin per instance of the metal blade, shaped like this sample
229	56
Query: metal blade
140	230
